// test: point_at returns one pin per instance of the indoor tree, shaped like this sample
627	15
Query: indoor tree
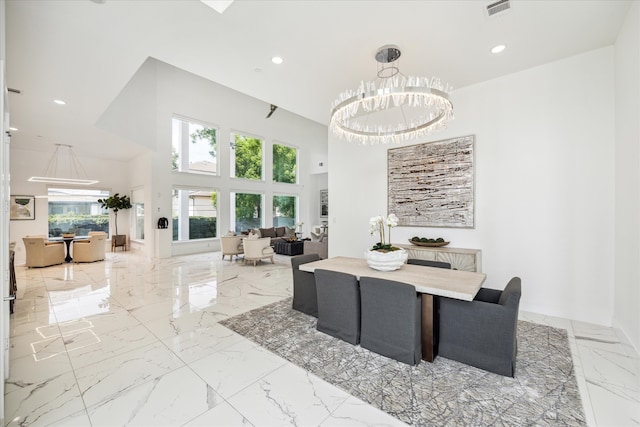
116	203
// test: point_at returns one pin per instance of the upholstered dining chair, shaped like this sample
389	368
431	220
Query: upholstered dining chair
41	252
305	298
428	263
231	245
391	315
482	332
338	305
257	249
92	249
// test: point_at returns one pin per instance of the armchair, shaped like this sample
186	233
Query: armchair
231	245
257	249
92	249
320	247
42	253
482	332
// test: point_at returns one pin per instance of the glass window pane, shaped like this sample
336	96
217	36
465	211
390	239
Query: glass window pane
284	164
76	211
284	211
138	209
194	147
247	211
246	157
194	214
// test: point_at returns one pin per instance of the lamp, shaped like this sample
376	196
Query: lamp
52	176
392	108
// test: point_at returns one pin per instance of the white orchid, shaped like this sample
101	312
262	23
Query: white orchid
377	224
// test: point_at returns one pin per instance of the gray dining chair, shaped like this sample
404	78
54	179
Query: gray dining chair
391	319
305	298
338	305
482	332
429	263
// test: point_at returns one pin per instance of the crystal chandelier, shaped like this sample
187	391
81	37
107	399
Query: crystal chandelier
392	108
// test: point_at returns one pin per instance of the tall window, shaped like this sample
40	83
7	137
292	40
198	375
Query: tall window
284	211
194	147
284	164
248	211
246	157
137	224
73	210
195	214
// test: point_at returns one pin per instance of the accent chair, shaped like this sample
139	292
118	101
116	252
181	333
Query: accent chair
338	305
41	252
92	249
482	332
305	298
257	249
391	319
231	245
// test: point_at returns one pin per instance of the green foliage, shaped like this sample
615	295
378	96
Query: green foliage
200	227
285	206
214	199
248	157
206	133
284	164
116	203
77	223
174	159
248	207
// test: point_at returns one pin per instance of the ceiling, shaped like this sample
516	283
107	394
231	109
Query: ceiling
84	52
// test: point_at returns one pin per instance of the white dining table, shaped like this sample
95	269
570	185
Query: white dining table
429	281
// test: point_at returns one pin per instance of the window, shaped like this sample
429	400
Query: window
246	157
137	200
76	211
194	214
284	164
248	211
194	147
284	211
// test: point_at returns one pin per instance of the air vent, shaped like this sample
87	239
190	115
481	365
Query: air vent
497	7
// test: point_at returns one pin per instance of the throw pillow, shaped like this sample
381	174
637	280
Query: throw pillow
253	236
268	232
280	231
290	232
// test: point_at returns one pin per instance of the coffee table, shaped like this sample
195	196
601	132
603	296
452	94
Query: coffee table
289	248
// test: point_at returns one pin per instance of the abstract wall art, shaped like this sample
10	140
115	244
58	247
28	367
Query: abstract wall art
432	184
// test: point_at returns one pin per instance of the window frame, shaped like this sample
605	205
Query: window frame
232	156
181	226
205	124
297	150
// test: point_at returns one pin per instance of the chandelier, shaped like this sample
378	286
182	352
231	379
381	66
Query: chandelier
392	108
64	169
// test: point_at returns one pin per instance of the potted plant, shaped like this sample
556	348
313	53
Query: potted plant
116	203
383	255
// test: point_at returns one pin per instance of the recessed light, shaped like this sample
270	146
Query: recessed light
499	48
13	129
277	60
59	102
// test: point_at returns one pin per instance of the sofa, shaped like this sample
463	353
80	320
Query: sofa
320	246
277	234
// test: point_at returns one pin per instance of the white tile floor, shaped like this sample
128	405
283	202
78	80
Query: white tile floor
129	341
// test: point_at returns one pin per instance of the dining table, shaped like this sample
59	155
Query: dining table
67	241
431	282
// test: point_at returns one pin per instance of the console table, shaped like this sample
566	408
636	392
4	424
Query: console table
460	259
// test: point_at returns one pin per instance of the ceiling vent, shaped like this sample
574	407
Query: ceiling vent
497	7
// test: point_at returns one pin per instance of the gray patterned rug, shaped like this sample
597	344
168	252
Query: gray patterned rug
445	393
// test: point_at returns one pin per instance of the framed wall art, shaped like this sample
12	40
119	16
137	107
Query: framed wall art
22	207
432	184
324	203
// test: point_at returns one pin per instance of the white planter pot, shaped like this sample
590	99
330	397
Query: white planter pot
386	261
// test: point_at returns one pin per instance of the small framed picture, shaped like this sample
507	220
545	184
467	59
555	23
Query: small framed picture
324	203
22	207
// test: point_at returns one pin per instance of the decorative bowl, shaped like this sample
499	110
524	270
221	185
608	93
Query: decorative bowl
386	261
432	244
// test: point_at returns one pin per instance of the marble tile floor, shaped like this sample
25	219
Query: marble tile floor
131	341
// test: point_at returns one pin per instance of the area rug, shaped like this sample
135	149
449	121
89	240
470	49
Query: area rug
544	391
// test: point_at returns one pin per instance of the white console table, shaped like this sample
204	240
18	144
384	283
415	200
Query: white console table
460	259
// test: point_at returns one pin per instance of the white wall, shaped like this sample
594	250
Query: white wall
627	163
177	92
113	176
544	185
